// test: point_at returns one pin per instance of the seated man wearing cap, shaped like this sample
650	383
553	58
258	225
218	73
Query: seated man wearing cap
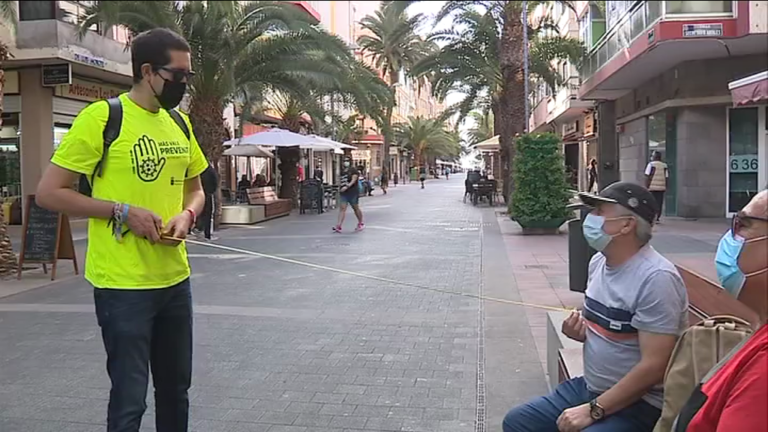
634	309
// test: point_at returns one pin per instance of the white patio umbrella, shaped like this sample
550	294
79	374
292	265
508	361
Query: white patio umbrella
248	150
325	144
491	144
274	138
335	144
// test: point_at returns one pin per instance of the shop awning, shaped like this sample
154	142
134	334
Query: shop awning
750	90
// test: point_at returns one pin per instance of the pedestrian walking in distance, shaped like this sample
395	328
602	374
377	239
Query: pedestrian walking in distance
145	188
384	181
592	175
423	176
210	181
656	175
349	195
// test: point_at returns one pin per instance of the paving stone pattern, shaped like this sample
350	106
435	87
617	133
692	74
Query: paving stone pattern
285	348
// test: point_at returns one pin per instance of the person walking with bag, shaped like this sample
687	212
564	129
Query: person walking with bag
349	195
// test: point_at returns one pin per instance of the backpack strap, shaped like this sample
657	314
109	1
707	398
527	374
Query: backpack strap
111	132
180	121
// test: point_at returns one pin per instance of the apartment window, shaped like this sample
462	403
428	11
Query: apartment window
592	26
73	12
37	10
699	7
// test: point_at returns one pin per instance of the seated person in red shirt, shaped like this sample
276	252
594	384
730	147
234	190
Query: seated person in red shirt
735	397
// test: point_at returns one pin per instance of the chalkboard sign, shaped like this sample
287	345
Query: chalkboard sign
47	238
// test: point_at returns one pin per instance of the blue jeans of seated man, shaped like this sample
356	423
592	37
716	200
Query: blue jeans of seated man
143	329
540	415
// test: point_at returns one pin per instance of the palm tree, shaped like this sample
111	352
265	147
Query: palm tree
482	129
483	59
347	130
427	138
7	256
393	46
9	17
264	44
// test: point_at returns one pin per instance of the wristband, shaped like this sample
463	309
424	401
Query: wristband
194	215
119	216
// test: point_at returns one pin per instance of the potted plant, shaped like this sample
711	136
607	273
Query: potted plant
538	202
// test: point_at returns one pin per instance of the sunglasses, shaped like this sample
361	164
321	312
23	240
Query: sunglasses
740	220
177	75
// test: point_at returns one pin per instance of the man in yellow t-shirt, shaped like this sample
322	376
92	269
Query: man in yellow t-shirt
144	184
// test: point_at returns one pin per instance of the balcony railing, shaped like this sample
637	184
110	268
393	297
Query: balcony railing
640	18
632	26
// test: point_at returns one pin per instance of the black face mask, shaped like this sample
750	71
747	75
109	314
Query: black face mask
172	94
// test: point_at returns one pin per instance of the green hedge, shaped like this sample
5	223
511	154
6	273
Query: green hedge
541	191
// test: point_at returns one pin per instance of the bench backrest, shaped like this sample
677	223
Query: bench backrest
707	298
260	195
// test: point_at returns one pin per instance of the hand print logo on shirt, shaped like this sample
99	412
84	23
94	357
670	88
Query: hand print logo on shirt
147	162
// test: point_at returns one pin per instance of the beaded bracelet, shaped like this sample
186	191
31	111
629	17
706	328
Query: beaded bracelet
119	217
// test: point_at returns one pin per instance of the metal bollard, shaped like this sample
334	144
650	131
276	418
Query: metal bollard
579	253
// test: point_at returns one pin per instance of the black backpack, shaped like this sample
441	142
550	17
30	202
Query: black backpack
110	134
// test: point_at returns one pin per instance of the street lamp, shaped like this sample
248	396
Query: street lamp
525	65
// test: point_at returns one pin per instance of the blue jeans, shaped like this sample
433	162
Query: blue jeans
540	415
142	328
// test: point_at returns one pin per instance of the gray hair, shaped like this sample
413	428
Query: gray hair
643	228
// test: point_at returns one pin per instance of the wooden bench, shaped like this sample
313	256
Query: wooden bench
705	299
273	206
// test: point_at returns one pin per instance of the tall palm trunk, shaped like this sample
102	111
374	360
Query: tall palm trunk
387	142
511	119
7	256
289	160
209	129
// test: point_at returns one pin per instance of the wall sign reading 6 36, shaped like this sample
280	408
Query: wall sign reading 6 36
743	164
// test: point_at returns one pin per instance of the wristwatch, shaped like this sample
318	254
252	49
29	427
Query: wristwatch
595	410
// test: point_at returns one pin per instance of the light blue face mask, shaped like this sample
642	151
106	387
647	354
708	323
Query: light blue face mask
593	232
727	263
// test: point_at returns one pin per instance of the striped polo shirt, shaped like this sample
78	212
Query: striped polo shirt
646	294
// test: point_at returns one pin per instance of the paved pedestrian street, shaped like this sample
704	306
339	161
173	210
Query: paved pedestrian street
281	347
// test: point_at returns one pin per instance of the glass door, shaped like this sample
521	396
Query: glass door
662	138
743	161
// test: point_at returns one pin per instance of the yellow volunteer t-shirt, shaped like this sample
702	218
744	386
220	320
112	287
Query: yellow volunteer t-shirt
146	166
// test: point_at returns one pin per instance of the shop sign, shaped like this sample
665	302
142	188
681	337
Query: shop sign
570	128
589	124
90	60
702	30
393	151
88	91
58	74
361	154
743	163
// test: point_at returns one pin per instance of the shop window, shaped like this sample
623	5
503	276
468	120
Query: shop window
10	158
699	7
58	135
743	164
37	10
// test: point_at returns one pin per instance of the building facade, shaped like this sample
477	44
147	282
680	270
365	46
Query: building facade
52	75
560	111
658	72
